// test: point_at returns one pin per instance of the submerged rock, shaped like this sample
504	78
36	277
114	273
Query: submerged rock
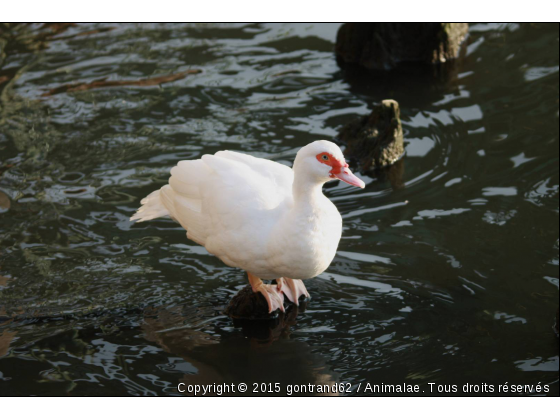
382	46
266	331
375	141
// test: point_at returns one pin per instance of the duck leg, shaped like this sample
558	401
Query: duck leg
273	296
293	289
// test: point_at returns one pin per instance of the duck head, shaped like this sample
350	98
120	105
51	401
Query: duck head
323	161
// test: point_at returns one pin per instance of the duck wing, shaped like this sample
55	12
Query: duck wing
224	200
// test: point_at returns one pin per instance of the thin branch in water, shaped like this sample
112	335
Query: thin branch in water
103	83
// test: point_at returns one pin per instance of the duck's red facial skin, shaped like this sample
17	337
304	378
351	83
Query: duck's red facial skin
340	170
335	164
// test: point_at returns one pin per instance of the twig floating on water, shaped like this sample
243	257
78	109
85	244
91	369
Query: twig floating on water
102	83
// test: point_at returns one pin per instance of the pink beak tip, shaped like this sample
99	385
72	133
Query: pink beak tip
348	177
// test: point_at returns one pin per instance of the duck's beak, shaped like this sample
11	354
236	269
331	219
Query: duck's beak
347	176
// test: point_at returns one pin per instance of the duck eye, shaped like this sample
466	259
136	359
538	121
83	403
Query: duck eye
325	157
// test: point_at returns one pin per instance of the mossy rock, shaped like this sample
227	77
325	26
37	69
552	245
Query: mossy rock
382	46
375	141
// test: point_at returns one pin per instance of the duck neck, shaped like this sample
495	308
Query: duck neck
307	192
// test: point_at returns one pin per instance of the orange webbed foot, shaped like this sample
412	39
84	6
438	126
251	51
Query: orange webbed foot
271	293
293	289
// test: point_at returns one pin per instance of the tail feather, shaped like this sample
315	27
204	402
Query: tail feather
181	199
152	208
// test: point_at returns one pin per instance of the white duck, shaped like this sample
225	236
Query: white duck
258	215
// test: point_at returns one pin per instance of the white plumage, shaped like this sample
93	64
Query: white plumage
258	215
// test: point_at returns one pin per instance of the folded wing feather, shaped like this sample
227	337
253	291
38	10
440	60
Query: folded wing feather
220	195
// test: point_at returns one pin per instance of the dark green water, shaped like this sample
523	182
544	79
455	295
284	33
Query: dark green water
451	279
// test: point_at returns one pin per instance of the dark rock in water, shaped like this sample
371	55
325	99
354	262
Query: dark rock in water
375	141
248	305
394	174
382	46
269	330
